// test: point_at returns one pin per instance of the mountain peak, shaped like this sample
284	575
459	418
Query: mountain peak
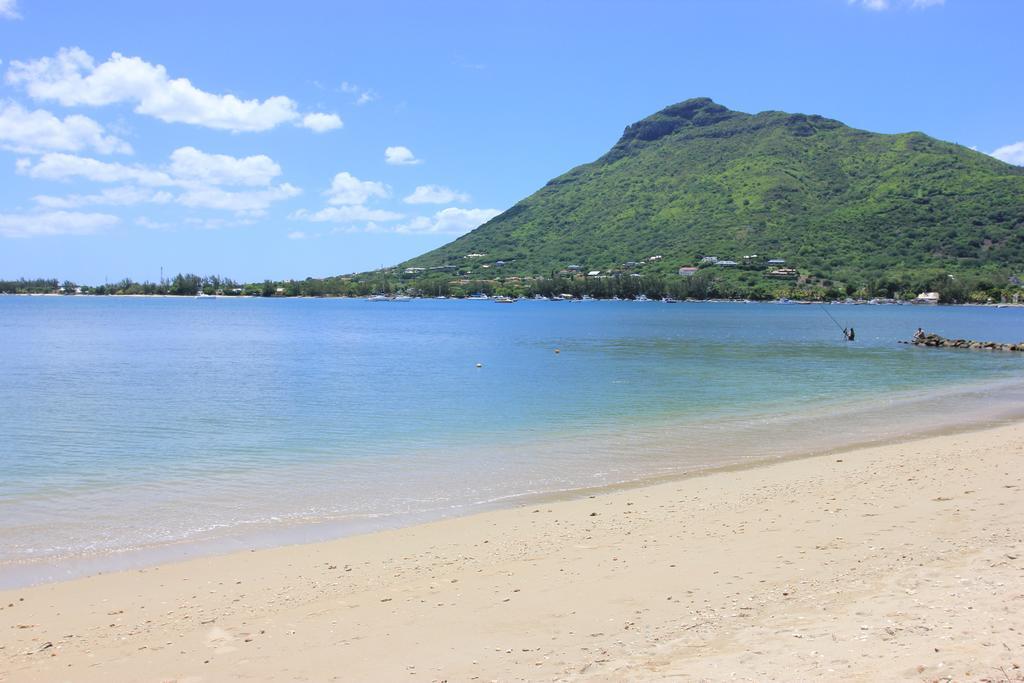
694	112
694	109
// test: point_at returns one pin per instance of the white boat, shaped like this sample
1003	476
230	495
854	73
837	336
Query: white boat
204	295
479	296
378	297
402	297
504	300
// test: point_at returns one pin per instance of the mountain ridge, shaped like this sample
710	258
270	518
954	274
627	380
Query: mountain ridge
697	178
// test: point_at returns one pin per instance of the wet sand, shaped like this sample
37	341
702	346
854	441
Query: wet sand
896	562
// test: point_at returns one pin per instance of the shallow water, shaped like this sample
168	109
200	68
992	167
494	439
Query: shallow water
135	429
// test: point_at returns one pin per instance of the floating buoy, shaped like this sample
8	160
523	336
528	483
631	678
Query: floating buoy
479	365
558	350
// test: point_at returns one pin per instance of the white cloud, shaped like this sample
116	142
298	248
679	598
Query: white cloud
321	123
188	163
189	167
435	194
363	96
59	166
200	175
400	156
112	196
244	203
346	214
450	221
1011	154
9	9
348	196
73	78
347	189
32	132
54	223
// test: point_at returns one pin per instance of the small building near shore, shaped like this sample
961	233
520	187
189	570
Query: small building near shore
688	271
784	273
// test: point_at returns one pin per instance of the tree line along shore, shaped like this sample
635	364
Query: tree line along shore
702	285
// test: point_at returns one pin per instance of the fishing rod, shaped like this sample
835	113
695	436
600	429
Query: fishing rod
834	320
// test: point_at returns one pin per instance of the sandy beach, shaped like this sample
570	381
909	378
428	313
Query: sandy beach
897	562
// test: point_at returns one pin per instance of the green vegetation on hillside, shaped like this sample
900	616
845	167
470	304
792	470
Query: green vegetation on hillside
846	208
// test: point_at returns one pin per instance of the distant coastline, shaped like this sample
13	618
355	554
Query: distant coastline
834	302
649	280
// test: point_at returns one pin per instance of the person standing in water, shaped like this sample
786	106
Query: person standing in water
849	334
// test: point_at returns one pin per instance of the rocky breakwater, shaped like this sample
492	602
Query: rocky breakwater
941	342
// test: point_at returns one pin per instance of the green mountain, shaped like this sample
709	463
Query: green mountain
698	179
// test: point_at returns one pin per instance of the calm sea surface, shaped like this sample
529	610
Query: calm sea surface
139	429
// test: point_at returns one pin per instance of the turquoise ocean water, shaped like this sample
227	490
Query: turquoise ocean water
134	430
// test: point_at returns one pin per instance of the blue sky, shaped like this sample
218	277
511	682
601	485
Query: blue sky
285	140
